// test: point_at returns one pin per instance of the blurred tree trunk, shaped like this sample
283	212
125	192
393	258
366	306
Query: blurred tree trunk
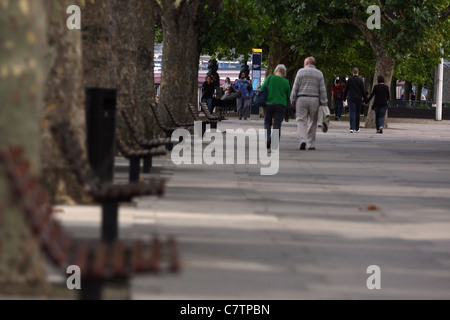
122	29
407	94
369	82
281	54
419	92
63	99
95	44
329	86
385	66
393	90
22	31
430	87
147	16
181	25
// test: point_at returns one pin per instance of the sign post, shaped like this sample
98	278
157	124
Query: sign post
256	74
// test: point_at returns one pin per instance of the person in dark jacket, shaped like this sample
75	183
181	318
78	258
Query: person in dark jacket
354	93
338	94
208	89
380	105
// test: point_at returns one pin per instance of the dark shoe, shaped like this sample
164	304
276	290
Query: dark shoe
268	145
325	127
312	148
303	146
381	130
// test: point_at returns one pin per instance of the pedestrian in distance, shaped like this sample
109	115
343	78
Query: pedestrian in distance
227	85
278	98
244	89
355	93
338	99
208	93
380	105
308	94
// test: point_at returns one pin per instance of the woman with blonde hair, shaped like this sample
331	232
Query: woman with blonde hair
278	93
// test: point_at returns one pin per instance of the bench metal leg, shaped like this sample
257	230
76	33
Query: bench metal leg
135	164
90	289
214	125
110	221
169	146
203	128
148	163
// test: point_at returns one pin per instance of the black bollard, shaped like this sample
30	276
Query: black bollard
101	125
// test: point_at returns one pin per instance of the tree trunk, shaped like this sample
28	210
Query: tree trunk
430	95
393	89
329	86
369	82
64	99
384	66
419	92
95	44
181	25
145	84
407	93
281	54
122	18
22	31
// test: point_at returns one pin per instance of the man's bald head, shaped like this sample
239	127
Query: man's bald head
310	61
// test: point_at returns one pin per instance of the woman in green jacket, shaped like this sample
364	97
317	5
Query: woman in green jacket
278	93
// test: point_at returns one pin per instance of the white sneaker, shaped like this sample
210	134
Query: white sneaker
358	130
351	131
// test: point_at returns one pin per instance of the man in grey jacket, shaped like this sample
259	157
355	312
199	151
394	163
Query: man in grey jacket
308	93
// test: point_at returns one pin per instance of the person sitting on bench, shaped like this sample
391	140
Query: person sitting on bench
229	94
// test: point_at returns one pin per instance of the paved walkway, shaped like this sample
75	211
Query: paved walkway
308	232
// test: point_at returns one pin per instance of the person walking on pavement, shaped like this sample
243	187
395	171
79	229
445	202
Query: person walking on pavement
208	93
308	93
380	105
354	93
278	94
245	90
338	95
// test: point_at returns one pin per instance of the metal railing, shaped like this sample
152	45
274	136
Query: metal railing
422	104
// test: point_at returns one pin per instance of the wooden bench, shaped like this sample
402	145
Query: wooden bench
168	130
204	120
177	123
208	114
142	141
100	261
225	106
135	156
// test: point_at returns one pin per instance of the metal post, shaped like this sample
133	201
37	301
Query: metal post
135	164
110	221
169	146
203	128
440	83
148	163
90	289
100	124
